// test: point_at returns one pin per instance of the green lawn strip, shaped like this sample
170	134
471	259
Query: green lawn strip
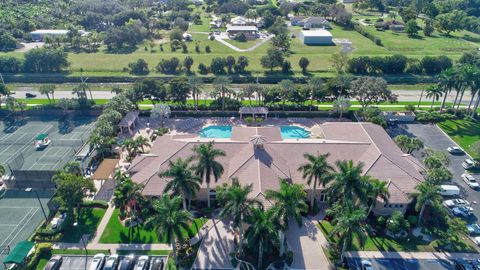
88	221
464	132
115	232
41	263
242	45
418	87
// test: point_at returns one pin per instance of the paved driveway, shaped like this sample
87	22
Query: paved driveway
433	137
306	243
402	264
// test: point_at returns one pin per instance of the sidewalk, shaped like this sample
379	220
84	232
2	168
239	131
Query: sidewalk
103	224
412	255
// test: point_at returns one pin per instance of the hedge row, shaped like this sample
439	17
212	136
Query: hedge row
362	31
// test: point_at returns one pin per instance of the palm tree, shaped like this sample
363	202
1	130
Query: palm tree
348	222
262	233
141	142
289	203
183	181
474	88
207	165
2	171
237	205
221	84
429	194
130	146
316	171
349	183
195	87
127	195
168	220
467	75
377	189
446	82
48	89
435	93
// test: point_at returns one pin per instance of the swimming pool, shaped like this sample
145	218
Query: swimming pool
216	132
225	132
294	132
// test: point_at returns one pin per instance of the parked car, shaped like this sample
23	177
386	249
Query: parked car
455	150
463	265
470	180
142	263
455	203
462	211
30	95
366	265
469	164
156	263
449	190
97	262
54	263
473	228
111	262
126	263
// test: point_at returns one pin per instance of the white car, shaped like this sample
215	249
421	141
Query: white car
111	262
366	265
97	262
142	263
455	150
476	240
455	203
462	211
469	164
470	180
473	228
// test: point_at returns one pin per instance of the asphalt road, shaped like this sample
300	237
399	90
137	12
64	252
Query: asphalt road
402	264
433	137
403	95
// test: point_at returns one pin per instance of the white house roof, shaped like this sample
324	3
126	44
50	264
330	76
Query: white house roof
49	32
316	33
242	28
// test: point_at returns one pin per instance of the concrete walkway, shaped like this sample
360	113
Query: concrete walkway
412	255
307	243
258	44
218	243
103	224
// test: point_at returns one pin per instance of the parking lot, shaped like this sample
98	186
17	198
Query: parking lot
433	137
72	262
402	264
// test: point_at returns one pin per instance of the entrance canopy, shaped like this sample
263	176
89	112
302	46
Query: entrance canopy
19	253
41	137
254	111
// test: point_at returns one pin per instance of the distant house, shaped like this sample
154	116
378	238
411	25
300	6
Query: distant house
242	21
316	22
316	37
250	32
39	35
297	20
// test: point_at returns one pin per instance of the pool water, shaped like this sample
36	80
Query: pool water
225	132
293	132
216	132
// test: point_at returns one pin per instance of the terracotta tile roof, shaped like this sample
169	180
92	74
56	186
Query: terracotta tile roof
264	164
105	169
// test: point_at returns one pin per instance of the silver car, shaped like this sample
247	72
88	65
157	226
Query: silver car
97	262
142	263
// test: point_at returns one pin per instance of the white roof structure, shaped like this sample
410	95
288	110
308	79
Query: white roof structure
50	32
242	28
316	33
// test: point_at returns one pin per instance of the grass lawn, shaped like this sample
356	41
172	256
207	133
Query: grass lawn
115	232
243	45
89	219
464	132
382	243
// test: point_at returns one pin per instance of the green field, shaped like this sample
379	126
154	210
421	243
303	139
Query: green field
88	222
115	232
464	132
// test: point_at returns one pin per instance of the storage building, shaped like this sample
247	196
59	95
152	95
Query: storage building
316	37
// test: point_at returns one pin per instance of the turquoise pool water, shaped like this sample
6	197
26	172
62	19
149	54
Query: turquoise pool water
293	132
216	132
288	132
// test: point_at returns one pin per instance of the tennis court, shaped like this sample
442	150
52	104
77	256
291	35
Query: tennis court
17	143
20	214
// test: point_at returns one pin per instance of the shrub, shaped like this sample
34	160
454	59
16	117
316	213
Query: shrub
397	223
95	204
410	107
367	34
241	38
207	49
139	67
202	69
248	120
41	250
412	220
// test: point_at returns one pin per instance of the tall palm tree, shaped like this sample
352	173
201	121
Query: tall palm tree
183	182
349	183
237	205
221	84
262	233
434	93
2	170
127	195
169	220
316	171
130	146
474	88
348	222
377	189
428	195
195	84
289	203
141	142
48	89
446	81
467	75
207	165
